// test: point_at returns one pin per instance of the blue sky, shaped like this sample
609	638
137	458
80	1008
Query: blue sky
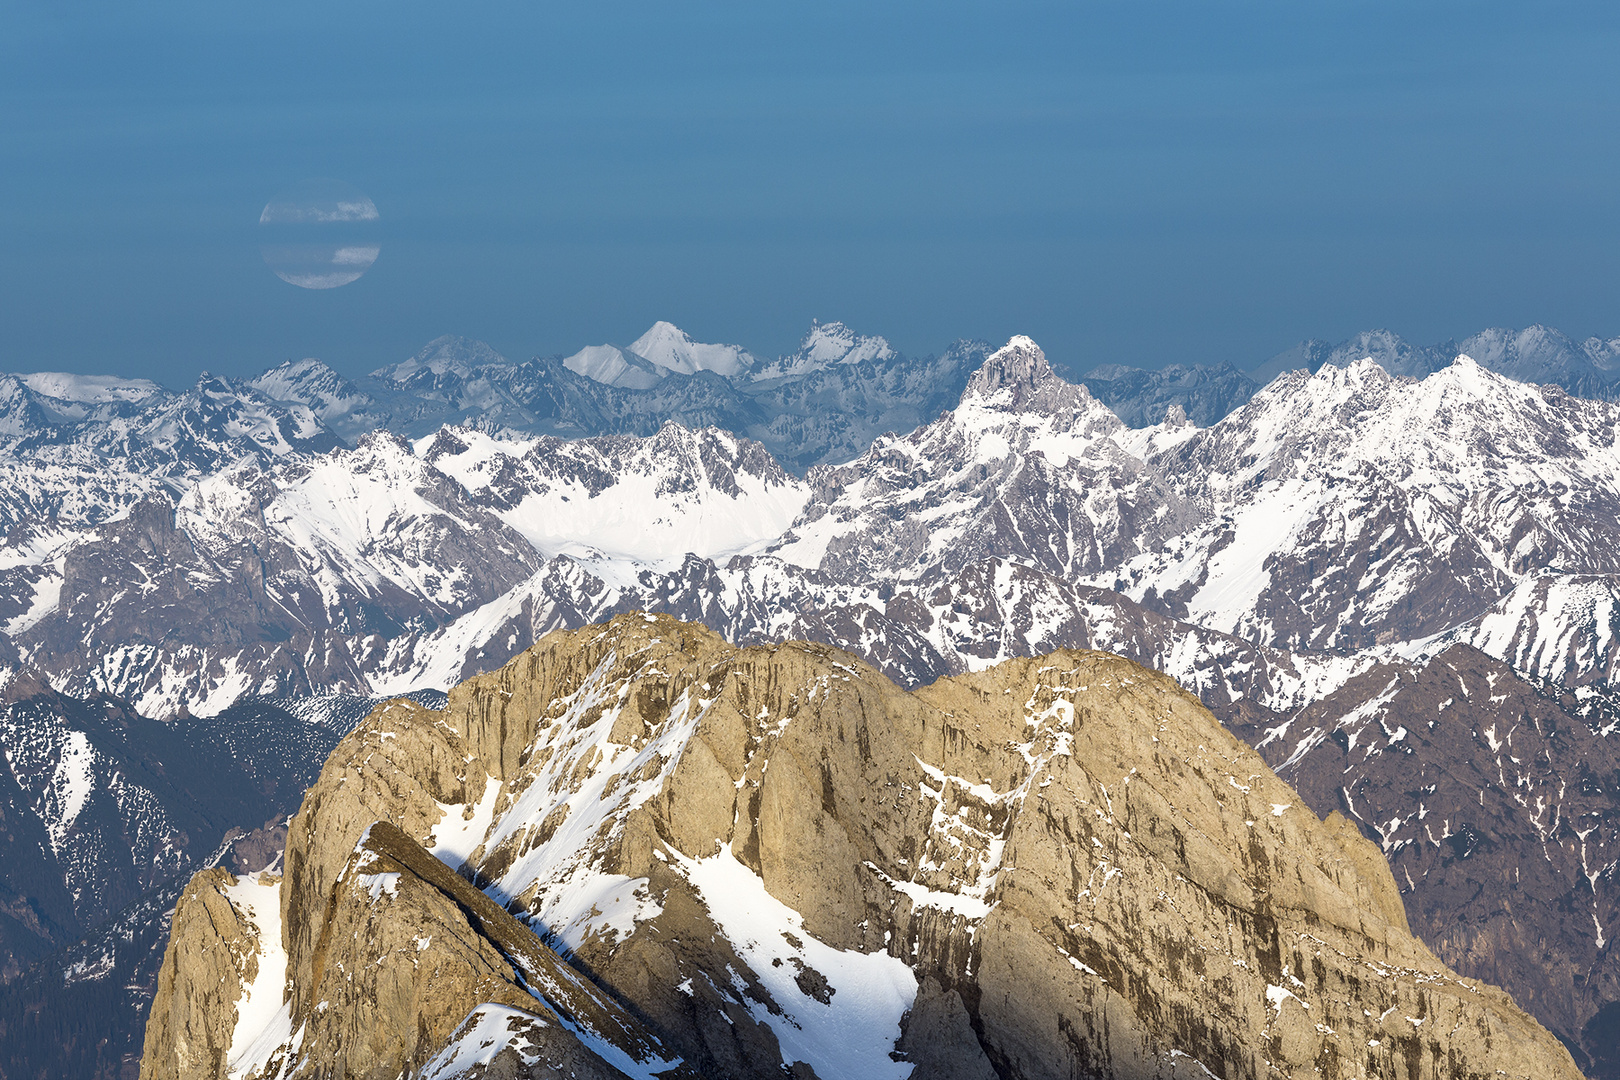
1135	182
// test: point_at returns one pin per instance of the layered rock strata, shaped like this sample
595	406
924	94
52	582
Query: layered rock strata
695	859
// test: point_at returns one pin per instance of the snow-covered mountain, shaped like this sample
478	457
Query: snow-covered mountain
1351	506
649	501
1026	466
106	444
1206	392
311	575
1342	510
613	366
181	552
262	580
88	390
1561	627
337	402
440	363
668	346
664	350
825	345
823	403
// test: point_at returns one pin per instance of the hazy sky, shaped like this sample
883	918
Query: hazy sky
1137	182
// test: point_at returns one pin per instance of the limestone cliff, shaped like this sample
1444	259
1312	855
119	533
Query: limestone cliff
692	859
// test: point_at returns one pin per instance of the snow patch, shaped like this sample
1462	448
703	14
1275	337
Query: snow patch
487	1030
263	1018
849	1036
458	835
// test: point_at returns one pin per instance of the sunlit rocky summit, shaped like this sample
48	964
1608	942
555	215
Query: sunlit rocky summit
639	851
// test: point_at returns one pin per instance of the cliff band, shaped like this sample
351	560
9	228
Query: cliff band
639	851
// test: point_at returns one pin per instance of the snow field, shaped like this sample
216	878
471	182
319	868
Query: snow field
263	1018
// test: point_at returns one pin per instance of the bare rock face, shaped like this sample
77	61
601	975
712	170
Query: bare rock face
695	859
1496	804
222	951
411	962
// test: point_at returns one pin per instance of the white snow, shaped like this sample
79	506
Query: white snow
1175	1054
263	1018
47	596
912	501
616	367
379	885
825	345
969	907
486	1031
457	836
72	782
1555	626
668	347
89	389
362	516
660	502
852	1035
574	900
1276	995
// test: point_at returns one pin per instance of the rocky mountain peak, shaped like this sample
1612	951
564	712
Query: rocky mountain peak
1015	388
310	367
385	443
831	342
1018	369
1536	353
214	387
773	860
311	382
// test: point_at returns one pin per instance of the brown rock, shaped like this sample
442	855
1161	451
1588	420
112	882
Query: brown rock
773	858
213	952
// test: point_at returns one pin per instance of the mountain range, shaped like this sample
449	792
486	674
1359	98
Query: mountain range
1400	590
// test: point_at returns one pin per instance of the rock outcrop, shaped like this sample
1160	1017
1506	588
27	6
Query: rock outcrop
678	857
1496	804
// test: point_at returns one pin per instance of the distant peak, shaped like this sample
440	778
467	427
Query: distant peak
1019	364
835	342
300	367
826	345
448	353
89	388
614	366
1360	372
659	333
1016	378
668	346
826	331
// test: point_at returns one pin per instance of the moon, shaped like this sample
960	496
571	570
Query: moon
320	234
